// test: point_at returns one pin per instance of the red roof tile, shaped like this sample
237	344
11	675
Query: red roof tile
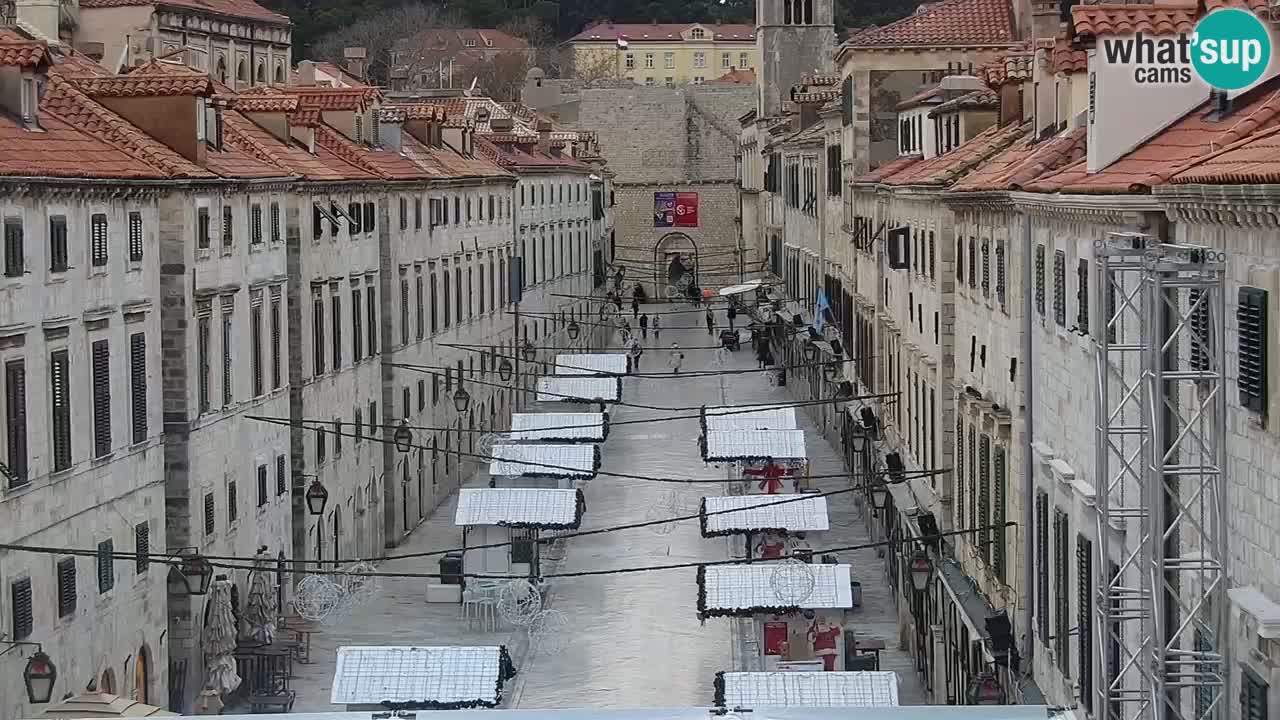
445	162
154	79
61	150
1256	6
1253	160
19	50
457	38
265	103
948	168
330	98
1023	162
1165	18
946	23
1187	140
639	32
419	111
381	163
258	141
887	170
927	95
305	117
977	100
736	77
1067	59
246	9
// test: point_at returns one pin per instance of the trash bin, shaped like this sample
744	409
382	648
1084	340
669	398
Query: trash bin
451	569
855	591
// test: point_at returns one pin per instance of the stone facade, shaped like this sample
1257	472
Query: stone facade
791	44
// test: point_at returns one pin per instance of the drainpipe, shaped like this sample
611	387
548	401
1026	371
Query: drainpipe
1028	436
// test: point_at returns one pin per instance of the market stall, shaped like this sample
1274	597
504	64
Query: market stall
512	519
749	417
755	690
591	364
798	609
767	456
579	389
543	465
376	678
770	528
560	427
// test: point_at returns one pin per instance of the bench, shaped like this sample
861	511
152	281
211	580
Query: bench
279	703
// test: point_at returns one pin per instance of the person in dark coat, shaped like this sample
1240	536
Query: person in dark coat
644	326
731	313
711	323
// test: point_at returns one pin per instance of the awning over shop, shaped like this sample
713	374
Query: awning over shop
744	513
437	677
749	418
902	712
102	705
559	427
747	286
587	364
541	460
519	507
579	389
806	689
748	589
753	445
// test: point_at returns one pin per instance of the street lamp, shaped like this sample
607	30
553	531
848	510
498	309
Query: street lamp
879	495
810	352
844	391
403	437
985	689
529	351
191	575
859	440
504	369
921	571
461	400
573	330
317	497
830	371
39	677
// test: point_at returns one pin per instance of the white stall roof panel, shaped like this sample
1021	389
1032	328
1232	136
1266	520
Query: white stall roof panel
570	388
598	364
516	506
810	689
538	460
557	426
750	444
766	512
372	675
751	418
746	587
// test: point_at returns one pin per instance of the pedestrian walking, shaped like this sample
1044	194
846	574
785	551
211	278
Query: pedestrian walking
635	307
657	328
762	355
634	352
732	313
711	322
676	358
644	326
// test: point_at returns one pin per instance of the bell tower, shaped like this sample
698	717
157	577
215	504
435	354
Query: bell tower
795	38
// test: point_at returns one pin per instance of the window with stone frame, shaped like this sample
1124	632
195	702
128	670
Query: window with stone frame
1060	288
1039	279
1251	348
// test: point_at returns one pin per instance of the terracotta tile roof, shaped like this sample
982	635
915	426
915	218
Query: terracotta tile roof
457	38
976	100
246	9
818	96
241	163
324	165
385	164
1255	160
154	79
887	170
1256	6
445	162
1164	18
18	50
305	117
736	77
62	99
330	98
73	63
1190	138
637	32
421	111
948	168
265	103
819	79
63	151
1067	59
1024	161
516	155
946	23
926	96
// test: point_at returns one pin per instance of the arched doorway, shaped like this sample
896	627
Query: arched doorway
675	256
221	72
279	74
108	682
141	682
242	72
260	75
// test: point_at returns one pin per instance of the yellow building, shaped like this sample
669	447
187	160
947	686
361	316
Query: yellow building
669	54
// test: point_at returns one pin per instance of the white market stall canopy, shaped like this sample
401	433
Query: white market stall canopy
749	418
747	286
749	445
807	689
519	507
559	427
751	513
560	388
541	460
599	364
445	677
747	589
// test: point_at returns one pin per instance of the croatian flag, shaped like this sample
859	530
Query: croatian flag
820	312
622	42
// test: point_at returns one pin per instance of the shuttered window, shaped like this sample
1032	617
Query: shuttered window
58	243
986	268
960	469
1062	603
98	240
228	234
1084	620
1082	296
1001	271
1060	287
1198	324
1112	322
370	216
336	323
15	422
138	385
262	485
233	502
101	360
202	228
66	587
973	478
60	402
337	438
1042	565
357	325
1039	270
417	213
275	222
322	449
420	317
984	496
142	547
973	262
999	511
422	395
959	259
255	224
21	609
1253	696
371	308
277	367
210	518
135	237
255	342
282	478
404	213
106	566
203	366
14	257
1251	316
404	311
227	348
318	349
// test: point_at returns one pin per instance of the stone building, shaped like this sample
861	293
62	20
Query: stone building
794	38
662	55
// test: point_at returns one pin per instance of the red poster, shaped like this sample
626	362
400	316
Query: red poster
686	209
775	638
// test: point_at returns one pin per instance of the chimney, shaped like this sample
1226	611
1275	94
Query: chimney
307	73
355	57
390	125
40	17
544	136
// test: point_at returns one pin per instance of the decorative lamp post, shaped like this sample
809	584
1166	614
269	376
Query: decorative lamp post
317	497
403	437
39	677
191	575
859	440
830	371
921	571
810	353
504	369
573	330
461	400
985	689
879	495
529	351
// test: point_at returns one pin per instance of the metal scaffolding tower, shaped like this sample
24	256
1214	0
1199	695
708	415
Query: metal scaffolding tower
1159	568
